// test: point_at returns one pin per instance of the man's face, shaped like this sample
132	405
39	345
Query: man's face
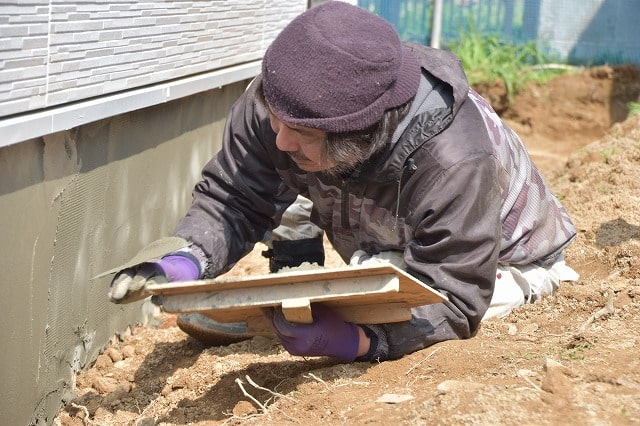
303	144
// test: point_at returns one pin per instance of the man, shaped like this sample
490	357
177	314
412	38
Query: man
402	161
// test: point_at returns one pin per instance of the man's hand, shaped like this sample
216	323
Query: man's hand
328	335
129	285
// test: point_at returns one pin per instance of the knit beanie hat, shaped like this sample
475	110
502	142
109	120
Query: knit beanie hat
337	68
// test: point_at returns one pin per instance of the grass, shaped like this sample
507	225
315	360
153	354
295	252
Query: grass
577	352
486	59
607	154
634	108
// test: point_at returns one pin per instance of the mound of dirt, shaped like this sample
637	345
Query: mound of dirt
568	358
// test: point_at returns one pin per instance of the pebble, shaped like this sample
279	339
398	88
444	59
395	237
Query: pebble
145	421
244	408
105	384
114	354
394	398
128	351
103	362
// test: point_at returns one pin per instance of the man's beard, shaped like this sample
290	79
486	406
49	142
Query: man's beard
351	160
341	169
329	167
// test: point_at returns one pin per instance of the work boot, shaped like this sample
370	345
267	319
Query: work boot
292	253
211	332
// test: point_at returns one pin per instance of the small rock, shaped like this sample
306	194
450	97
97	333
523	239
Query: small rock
556	382
103	362
618	286
551	364
78	411
128	351
114	354
523	372
244	408
145	421
166	390
393	398
105	384
181	379
121	365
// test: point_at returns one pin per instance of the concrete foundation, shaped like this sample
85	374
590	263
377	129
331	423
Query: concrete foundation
76	203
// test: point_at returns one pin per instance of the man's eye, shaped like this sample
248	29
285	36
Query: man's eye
307	136
310	139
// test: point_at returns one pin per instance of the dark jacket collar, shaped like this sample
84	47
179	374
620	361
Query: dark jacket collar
442	92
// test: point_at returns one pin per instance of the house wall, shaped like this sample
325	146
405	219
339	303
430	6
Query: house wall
109	110
76	203
63	51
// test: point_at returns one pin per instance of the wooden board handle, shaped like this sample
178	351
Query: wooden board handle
297	310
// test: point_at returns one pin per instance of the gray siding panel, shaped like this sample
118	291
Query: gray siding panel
76	49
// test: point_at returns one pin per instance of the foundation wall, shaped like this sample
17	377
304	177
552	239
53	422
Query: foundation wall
76	203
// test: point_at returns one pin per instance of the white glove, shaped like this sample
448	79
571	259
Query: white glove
393	257
130	284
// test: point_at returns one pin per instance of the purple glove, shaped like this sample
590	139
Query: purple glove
178	268
328	335
129	284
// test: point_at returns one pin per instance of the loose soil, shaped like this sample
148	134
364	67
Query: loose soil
570	358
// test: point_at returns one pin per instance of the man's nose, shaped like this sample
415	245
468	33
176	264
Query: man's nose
286	140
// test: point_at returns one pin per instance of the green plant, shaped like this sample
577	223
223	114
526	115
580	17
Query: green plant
634	108
607	154
575	351
487	58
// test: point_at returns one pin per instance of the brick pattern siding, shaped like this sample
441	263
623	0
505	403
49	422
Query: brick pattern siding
57	52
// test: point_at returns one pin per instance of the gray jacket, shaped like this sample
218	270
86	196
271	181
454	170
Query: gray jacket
455	191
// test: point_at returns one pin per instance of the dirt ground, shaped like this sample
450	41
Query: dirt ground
571	358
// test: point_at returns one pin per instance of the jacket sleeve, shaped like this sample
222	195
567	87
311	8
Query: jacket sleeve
455	250
241	197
